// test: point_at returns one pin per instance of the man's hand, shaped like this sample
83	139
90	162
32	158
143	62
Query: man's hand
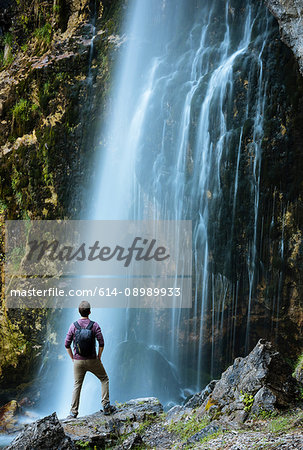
100	352
69	351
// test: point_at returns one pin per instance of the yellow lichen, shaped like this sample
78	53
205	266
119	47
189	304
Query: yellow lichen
209	404
283	129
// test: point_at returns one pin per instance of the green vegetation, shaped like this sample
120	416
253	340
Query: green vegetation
24	47
83	444
147	423
279	424
44	34
264	414
248	400
6	54
204	440
188	427
299	364
8	39
23	111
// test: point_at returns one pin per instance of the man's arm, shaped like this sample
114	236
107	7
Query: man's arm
68	341
100	352
69	351
99	337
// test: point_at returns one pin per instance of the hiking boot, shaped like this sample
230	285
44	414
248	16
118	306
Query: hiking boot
71	416
108	409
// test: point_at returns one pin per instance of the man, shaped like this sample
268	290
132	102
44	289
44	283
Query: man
83	334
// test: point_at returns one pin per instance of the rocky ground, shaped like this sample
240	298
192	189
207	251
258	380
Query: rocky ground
256	404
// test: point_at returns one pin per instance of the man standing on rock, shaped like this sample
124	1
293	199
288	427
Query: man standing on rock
83	333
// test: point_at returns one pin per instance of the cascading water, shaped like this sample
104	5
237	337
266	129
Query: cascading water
183	141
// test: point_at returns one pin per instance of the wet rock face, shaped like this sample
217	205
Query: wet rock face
46	433
289	14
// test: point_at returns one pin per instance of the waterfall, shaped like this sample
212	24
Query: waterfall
183	141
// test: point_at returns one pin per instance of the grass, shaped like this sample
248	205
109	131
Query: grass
279	424
204	440
24	47
44	34
22	113
8	39
299	364
187	428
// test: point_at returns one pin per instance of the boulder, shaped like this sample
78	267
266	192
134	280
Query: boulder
199	398
262	381
8	415
206	431
44	434
298	373
133	441
105	431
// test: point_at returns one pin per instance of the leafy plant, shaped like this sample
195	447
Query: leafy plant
83	444
248	400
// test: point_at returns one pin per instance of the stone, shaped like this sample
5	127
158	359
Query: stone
44	434
101	430
298	373
264	400
8	414
260	381
206	431
199	398
289	14
133	441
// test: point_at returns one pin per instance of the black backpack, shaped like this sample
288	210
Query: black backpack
85	340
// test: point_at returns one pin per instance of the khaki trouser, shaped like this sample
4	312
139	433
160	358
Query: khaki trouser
80	368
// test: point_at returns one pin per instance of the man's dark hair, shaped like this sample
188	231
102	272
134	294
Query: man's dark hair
84	312
84	308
